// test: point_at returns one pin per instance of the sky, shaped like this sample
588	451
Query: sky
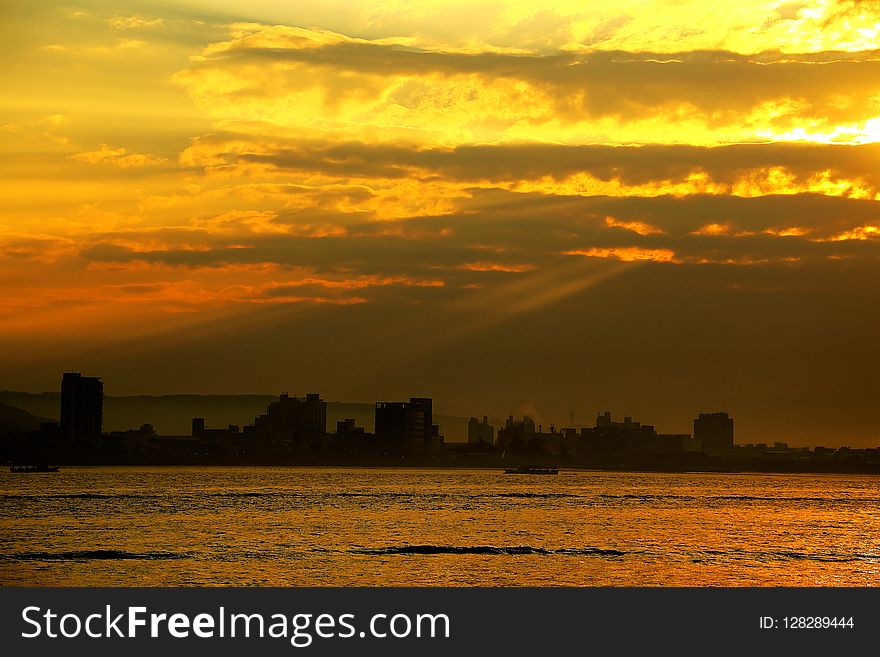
654	208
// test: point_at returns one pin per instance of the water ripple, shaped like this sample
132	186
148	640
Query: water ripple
485	549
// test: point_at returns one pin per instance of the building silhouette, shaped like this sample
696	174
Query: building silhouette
407	427
348	426
612	436
229	440
480	433
714	430
516	434
351	439
201	430
82	408
292	422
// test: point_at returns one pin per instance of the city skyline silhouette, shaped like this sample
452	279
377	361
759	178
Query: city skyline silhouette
294	430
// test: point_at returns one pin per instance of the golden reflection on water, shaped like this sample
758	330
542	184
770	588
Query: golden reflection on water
401	527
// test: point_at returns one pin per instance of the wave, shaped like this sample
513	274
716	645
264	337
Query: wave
387	494
781	555
747	498
828	556
433	496
532	495
90	555
763	498
486	549
248	494
82	496
466	496
140	496
646	496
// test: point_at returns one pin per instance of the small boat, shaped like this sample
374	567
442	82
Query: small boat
532	469
42	467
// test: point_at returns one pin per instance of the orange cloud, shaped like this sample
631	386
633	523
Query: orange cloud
858	233
118	156
639	227
790	231
627	254
357	283
496	266
713	229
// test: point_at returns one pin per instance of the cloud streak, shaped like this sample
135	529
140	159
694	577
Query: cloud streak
262	71
741	169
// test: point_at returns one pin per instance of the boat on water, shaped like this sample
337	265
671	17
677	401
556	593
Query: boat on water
41	467
532	469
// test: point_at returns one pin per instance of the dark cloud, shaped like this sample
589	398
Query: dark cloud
214	257
723	86
630	165
512	229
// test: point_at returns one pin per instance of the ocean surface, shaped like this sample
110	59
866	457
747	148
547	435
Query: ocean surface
218	526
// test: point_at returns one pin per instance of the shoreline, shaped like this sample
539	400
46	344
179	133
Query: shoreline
763	468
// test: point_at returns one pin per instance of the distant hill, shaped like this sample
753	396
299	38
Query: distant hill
16	419
172	414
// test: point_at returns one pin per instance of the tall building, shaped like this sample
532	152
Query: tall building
714	430
82	407
292	418
406	426
425	406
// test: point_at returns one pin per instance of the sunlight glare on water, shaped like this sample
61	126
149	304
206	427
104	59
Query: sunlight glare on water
404	527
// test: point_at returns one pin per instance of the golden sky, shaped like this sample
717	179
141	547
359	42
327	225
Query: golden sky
655	207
